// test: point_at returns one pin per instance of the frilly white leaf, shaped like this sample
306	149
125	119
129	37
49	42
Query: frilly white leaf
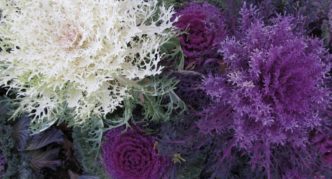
75	52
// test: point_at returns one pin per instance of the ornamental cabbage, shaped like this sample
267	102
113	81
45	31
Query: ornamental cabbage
86	55
205	28
132	155
274	89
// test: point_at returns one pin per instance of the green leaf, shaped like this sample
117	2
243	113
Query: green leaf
173	53
87	142
159	101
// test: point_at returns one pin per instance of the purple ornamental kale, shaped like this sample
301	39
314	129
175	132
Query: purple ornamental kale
274	86
204	28
132	155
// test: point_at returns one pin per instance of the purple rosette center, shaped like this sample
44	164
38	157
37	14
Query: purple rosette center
131	155
203	28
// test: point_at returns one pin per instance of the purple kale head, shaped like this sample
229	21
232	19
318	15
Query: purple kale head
274	86
277	78
132	155
204	28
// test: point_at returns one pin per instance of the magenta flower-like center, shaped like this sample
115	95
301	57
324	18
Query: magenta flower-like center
131	155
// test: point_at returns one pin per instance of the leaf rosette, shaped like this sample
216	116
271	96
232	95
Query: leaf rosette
85	55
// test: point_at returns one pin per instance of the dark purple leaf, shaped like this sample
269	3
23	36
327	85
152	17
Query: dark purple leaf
21	132
40	140
44	159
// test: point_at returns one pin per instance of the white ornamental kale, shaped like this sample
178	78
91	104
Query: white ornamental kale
85	54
